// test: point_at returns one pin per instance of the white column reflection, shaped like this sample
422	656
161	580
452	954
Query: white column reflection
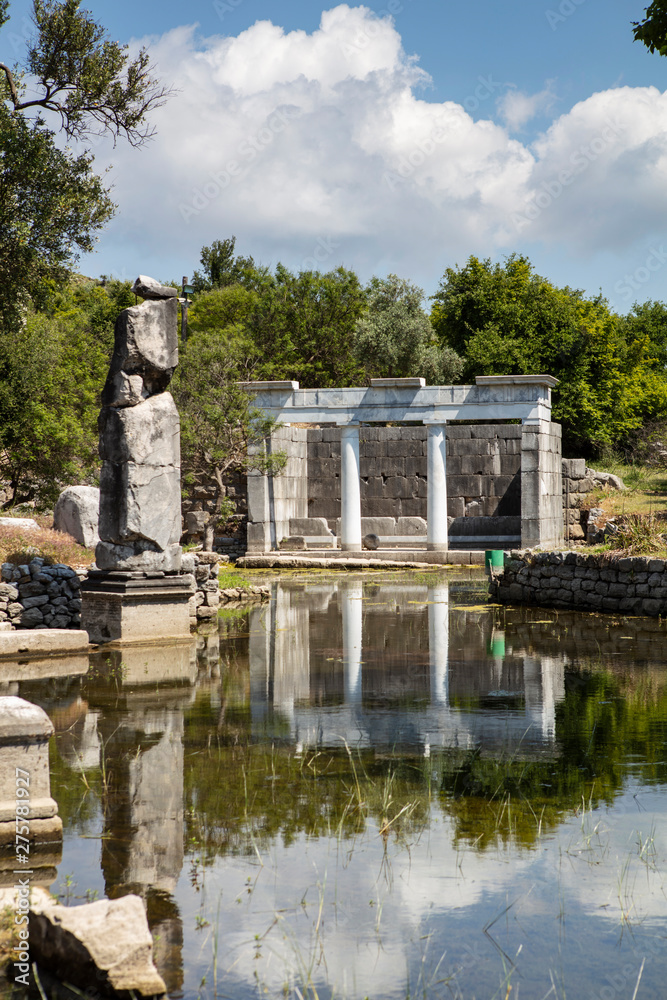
352	605
438	642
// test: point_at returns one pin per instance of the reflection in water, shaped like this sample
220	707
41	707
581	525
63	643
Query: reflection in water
399	684
341	792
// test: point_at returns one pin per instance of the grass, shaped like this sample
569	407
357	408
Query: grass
646	490
229	577
21	545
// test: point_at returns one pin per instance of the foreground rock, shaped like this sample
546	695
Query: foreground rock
104	945
77	512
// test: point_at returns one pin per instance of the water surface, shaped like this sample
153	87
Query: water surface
379	788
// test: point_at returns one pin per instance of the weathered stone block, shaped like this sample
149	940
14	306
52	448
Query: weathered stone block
77	513
146	344
107	942
397	486
140	503
411	526
465	486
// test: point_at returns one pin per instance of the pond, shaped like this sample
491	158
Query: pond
378	787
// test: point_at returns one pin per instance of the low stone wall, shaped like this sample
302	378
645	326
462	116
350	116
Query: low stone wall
39	595
628	585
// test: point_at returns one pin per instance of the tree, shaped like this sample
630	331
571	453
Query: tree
648	319
221	267
395	339
81	76
652	31
506	320
52	368
219	424
303	326
52	204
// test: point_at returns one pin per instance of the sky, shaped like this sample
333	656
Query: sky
399	136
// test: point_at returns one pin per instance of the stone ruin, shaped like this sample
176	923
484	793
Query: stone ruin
138	591
140	484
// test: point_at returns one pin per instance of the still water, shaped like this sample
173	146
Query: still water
379	788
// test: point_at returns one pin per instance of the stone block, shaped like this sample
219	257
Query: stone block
297	542
326	507
148	434
455	506
416	466
510	465
411	526
308	526
397	486
454	463
478	465
146	344
258	538
465	486
381	507
107	942
377	526
573	468
413	507
123	606
140	503
77	513
457	431
469	446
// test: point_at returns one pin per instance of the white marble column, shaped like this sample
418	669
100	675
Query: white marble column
350	513
438	642
436	488
351	599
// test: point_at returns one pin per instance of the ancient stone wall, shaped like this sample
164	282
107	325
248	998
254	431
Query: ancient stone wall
483	471
631	585
287	494
37	595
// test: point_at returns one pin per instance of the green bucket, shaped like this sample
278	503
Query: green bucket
494	559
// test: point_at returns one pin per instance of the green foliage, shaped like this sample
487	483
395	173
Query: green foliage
395	339
51	205
652	31
218	422
221	267
85	79
52	369
304	326
222	308
648	319
506	320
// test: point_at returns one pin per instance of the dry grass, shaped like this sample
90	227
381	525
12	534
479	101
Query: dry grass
20	545
646	490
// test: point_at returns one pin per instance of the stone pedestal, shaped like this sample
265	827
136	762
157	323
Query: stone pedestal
135	607
24	754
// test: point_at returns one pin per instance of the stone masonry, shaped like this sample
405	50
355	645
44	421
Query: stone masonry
483	471
634	585
39	595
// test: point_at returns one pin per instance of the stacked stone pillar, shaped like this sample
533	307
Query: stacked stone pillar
137	592
541	485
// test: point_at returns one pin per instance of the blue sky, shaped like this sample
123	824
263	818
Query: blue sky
398	136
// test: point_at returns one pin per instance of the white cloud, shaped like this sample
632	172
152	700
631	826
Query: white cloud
517	108
324	146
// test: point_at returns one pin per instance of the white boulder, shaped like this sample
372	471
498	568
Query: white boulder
77	512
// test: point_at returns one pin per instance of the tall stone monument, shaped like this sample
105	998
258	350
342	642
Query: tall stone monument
137	591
